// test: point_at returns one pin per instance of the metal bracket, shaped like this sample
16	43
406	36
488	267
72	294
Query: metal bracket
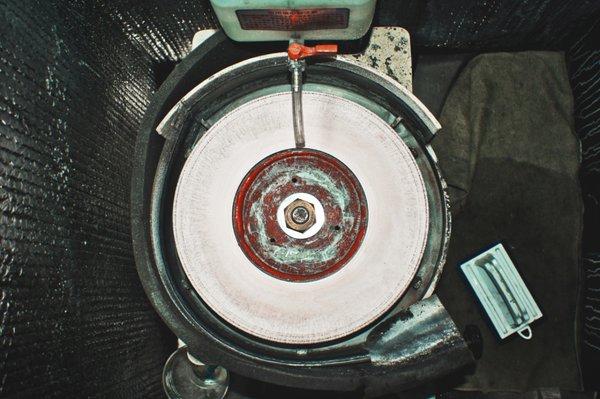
201	36
389	52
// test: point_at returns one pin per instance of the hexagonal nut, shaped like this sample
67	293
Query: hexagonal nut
300	215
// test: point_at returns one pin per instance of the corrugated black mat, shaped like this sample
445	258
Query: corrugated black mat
74	320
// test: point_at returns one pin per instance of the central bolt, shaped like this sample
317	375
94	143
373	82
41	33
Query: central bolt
300	215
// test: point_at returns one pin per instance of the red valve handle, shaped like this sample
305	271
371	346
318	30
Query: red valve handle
297	51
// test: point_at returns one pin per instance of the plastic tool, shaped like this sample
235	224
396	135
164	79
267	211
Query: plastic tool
502	292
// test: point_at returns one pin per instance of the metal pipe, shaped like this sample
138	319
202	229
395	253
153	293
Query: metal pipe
296	68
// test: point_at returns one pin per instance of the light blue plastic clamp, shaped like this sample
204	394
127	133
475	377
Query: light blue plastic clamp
502	292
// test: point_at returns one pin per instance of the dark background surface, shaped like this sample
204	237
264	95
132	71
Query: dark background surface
75	78
510	157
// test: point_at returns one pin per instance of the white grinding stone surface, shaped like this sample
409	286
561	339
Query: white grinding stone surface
306	312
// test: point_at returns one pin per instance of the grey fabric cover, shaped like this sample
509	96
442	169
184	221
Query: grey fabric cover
511	158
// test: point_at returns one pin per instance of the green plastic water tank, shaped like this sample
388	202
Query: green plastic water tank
273	20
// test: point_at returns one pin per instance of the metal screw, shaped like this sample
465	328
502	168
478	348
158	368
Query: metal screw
299	215
417	283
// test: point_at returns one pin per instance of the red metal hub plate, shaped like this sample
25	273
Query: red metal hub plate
279	176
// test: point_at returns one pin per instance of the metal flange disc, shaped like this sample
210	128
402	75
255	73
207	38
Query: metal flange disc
246	202
331	225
